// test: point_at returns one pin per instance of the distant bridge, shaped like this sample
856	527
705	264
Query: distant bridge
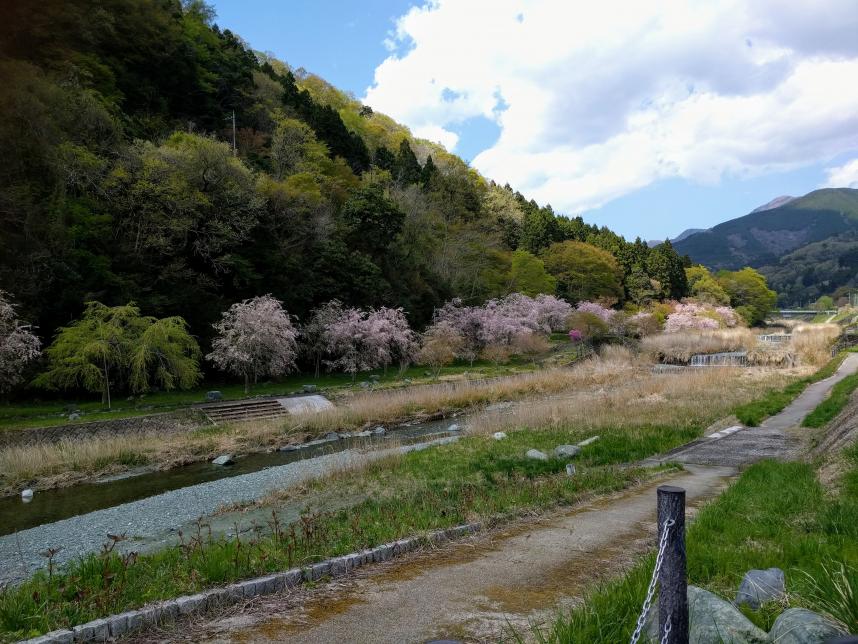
787	313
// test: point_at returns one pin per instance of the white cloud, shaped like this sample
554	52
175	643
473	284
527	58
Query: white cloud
437	134
844	176
596	99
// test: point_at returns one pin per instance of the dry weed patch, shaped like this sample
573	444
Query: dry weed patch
66	462
678	347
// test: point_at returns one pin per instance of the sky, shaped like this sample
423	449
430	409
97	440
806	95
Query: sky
648	117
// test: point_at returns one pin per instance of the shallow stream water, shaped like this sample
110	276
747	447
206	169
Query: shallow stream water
48	506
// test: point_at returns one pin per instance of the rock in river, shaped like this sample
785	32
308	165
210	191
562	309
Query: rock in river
223	459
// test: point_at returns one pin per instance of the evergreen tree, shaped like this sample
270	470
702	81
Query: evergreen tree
429	170
666	267
407	169
539	229
384	158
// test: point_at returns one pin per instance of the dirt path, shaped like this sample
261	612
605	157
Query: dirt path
478	588
777	437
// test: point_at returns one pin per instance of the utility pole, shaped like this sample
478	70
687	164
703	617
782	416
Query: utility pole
234	149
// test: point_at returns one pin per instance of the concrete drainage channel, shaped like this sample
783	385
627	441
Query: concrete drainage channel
103	629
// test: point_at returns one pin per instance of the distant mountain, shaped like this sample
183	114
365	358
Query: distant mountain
685	234
777	202
806	246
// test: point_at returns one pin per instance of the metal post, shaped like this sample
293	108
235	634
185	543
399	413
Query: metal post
673	585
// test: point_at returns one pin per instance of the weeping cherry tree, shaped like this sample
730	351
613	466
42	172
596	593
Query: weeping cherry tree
255	338
117	344
18	345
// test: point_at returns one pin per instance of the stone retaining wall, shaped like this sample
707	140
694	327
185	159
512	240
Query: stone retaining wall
101	630
168	422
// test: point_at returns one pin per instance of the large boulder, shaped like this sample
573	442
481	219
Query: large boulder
761	586
802	626
223	459
711	620
214	395
536	455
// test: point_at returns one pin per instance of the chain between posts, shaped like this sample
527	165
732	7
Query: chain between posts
667	628
668	524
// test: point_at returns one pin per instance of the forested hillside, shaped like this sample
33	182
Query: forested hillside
806	247
119	182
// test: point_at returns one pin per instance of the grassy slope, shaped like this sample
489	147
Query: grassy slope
49	413
776	514
834	404
843	200
477	477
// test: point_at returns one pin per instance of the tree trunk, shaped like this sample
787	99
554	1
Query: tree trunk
246	382
106	385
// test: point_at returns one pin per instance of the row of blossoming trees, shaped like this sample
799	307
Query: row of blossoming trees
258	338
118	348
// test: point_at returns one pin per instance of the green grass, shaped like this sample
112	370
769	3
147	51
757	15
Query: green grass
753	413
48	413
834	404
476	477
776	514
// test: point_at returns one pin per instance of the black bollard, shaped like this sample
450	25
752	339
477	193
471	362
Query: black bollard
673	585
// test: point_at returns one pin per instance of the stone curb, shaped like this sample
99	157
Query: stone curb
101	630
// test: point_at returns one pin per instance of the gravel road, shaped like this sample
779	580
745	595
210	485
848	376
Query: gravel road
152	519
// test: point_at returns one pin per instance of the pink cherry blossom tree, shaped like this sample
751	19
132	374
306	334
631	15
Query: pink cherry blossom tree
552	313
469	323
603	313
501	324
352	346
690	315
314	334
728	315
18	344
504	322
391	330
255	338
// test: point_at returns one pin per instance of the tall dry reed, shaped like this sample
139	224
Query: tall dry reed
697	397
52	464
812	342
678	347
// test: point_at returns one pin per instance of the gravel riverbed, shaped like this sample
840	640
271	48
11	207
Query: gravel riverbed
156	518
